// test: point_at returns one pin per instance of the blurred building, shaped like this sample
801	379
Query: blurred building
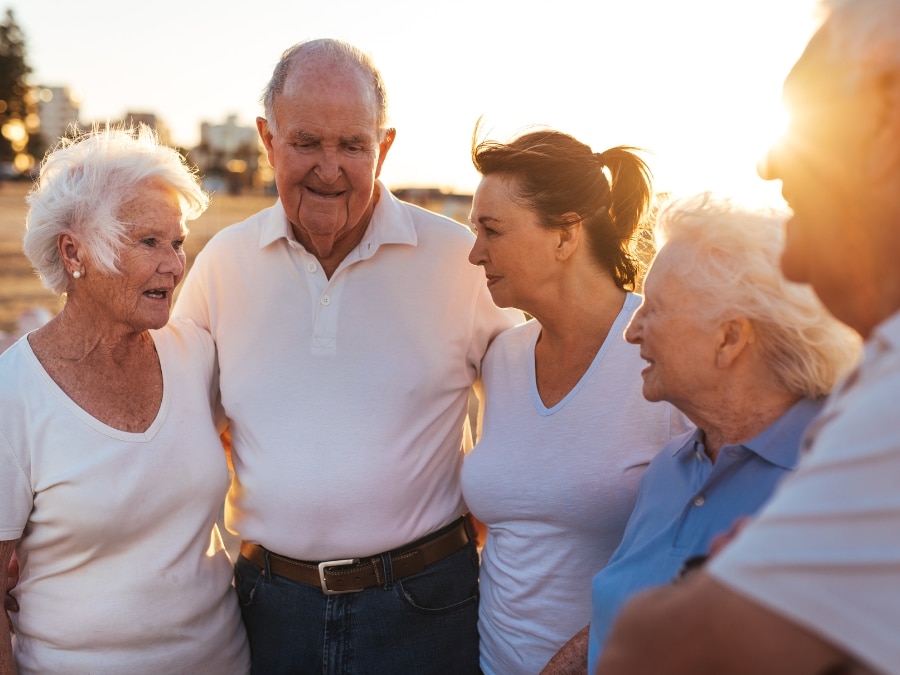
228	156
57	108
450	204
151	120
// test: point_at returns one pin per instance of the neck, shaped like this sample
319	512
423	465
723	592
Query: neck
73	336
575	308
329	250
736	419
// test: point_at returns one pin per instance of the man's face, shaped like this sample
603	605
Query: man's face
326	152
822	163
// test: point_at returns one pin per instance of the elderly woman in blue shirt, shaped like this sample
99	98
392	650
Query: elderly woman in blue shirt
749	358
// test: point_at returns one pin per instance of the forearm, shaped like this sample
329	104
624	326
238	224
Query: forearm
571	659
689	629
7	666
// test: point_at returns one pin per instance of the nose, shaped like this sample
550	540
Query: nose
173	262
477	255
768	165
328	167
635	327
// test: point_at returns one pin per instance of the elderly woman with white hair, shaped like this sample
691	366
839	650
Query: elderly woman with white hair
748	357
112	473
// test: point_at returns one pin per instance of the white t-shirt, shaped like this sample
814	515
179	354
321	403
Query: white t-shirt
825	552
555	487
346	396
123	570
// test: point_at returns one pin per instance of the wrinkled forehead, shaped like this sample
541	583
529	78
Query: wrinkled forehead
322	75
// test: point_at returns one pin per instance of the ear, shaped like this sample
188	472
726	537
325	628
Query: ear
568	237
383	148
70	252
262	126
733	338
884	161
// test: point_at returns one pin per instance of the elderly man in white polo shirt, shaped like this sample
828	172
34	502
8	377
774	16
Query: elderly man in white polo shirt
350	328
813	584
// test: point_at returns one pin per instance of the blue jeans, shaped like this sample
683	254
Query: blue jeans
423	623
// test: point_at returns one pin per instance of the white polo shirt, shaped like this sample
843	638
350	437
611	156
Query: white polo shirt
825	552
346	396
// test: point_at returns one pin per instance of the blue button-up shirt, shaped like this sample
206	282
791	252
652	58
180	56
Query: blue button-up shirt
684	501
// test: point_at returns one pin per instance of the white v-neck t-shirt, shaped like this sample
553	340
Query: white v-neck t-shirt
555	487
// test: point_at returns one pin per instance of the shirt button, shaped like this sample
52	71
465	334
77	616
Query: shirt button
325	300
311	267
699	501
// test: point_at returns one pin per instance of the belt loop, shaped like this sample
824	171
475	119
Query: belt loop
388	571
267	570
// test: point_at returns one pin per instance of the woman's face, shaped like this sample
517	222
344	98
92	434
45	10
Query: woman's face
678	345
517	253
151	262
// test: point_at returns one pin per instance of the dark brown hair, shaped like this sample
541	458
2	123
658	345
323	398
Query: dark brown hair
555	174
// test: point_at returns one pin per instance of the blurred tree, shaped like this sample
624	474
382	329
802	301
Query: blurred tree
18	108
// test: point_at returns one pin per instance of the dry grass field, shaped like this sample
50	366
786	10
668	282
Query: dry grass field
21	289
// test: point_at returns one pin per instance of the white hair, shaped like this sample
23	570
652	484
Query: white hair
343	54
732	266
863	35
84	182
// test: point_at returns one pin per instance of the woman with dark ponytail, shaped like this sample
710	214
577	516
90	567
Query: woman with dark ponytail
566	433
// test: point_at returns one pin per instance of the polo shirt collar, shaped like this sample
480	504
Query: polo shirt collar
779	442
391	224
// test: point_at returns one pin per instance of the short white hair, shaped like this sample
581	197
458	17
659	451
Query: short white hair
342	54
84	182
732	266
862	35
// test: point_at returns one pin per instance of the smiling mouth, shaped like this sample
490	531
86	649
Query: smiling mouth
326	195
157	293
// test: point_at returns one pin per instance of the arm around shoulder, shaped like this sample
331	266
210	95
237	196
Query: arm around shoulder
701	627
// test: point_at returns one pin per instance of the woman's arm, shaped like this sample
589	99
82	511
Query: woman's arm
7	667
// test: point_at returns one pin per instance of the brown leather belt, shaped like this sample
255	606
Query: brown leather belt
353	574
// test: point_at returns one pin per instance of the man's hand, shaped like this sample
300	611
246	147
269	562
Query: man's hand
720	541
571	659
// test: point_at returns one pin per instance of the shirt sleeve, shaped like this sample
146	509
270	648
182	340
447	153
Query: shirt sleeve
16	496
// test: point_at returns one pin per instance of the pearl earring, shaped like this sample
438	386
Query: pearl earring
76	274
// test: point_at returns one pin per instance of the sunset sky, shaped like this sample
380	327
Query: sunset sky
695	82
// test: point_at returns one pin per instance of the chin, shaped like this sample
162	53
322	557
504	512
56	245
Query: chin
499	300
652	395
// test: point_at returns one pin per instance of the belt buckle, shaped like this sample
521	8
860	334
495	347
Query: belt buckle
336	563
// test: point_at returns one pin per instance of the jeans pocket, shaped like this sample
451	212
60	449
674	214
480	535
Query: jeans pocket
445	586
247	577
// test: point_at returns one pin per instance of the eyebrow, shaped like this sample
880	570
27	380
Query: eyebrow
305	137
484	220
354	139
